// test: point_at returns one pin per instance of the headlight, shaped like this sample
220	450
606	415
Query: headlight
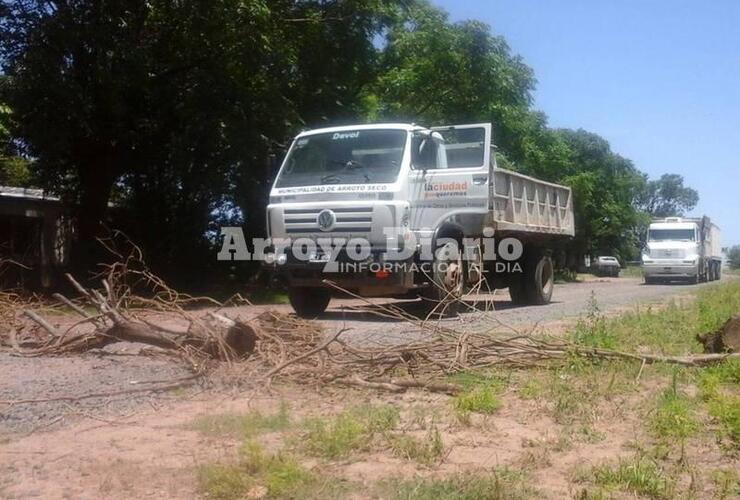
689	261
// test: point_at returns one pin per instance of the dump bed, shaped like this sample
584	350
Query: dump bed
713	240
521	203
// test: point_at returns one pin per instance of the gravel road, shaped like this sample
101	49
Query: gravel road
569	300
119	368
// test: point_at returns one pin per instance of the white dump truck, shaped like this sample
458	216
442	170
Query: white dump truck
680	248
403	210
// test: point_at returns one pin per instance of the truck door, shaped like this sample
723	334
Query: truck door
450	175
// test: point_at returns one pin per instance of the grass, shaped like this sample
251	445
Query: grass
669	329
350	431
266	296
566	276
674	417
477	400
425	451
575	390
255	474
498	484
719	386
727	484
480	393
235	425
631	271
638	476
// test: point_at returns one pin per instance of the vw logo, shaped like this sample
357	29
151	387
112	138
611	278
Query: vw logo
326	220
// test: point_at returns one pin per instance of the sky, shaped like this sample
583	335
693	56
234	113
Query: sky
659	79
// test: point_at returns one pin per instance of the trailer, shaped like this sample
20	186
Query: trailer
403	210
681	248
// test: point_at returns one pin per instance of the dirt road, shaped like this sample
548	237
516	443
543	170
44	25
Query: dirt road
570	300
123	445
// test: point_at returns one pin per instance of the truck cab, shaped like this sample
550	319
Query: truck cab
681	249
387	209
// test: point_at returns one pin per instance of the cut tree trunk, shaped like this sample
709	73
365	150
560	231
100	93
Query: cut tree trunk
725	339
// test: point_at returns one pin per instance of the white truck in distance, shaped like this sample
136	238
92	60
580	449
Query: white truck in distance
396	186
682	249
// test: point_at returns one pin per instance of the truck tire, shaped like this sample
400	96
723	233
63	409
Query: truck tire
444	293
309	302
539	277
650	281
719	271
710	272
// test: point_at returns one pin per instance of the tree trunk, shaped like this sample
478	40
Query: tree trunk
726	339
97	175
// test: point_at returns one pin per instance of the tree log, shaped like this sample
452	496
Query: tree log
725	339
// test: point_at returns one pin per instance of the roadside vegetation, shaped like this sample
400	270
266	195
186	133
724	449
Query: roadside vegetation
662	431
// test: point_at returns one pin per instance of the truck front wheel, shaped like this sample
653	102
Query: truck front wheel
309	302
444	294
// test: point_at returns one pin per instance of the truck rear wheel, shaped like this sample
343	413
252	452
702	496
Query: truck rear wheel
539	279
536	284
309	302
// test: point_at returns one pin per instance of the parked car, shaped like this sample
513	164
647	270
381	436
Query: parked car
606	266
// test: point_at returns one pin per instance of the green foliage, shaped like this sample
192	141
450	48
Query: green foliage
733	257
670	329
641	476
351	430
243	425
425	451
674	417
175	110
498	484
13	167
477	400
605	188
594	330
667	197
279	475
720	389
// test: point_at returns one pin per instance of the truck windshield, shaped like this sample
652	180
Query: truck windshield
671	235
347	157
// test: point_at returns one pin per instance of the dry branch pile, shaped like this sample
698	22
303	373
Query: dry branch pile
115	313
296	350
274	345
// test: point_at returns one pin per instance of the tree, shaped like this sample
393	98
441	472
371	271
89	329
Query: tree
605	187
435	72
172	109
13	167
170	112
733	257
667	197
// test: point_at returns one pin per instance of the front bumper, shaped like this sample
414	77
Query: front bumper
669	270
